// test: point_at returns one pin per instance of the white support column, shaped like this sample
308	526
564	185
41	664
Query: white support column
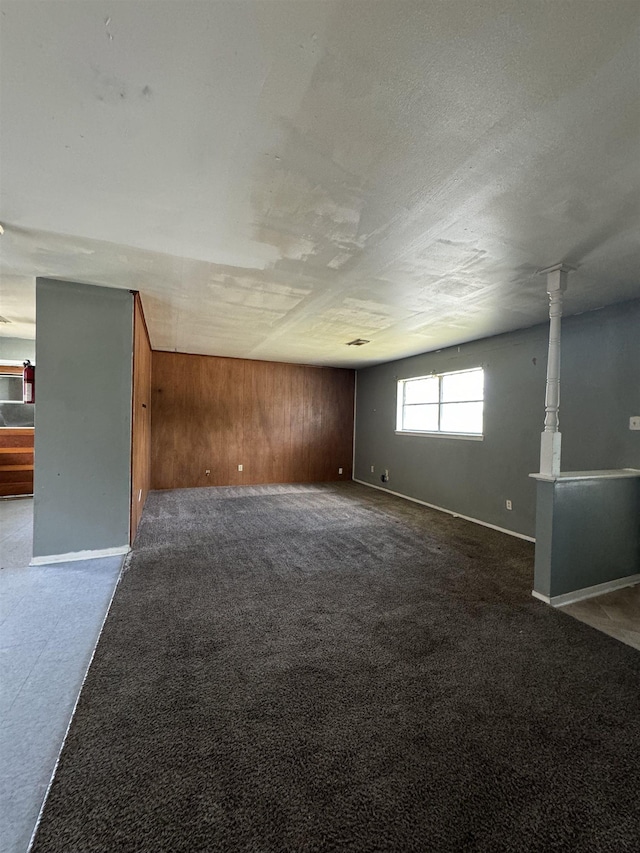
551	438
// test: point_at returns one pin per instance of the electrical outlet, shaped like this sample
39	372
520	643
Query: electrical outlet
339	470
634	422
508	504
240	468
372	469
207	471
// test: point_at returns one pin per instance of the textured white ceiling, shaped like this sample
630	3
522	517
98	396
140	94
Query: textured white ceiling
278	178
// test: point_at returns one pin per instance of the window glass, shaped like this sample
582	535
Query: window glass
462	386
421	417
422	390
461	417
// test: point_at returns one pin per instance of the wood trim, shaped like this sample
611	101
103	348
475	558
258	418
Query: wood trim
137	297
140	416
235	358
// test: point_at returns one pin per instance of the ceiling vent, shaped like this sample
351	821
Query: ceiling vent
359	342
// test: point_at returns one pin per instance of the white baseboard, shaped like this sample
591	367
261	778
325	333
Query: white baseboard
587	591
540	596
448	511
79	555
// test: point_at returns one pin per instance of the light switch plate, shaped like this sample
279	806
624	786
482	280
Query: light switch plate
634	422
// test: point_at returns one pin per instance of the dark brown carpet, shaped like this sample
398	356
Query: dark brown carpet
320	668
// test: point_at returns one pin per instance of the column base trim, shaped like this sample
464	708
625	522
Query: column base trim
79	555
587	591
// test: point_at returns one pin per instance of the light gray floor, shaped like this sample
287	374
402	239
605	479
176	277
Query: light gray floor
50	619
616	613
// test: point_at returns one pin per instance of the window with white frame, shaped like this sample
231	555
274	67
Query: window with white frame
449	403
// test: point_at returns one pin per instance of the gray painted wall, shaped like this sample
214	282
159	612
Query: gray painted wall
600	390
83	417
588	533
17	349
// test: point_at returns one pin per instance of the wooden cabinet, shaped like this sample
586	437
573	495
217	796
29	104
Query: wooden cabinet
16	461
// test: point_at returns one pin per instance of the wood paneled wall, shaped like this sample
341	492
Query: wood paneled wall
140	416
284	423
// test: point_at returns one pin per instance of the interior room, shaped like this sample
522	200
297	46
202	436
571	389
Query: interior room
319	425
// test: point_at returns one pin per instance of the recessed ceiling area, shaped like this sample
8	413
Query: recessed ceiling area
280	178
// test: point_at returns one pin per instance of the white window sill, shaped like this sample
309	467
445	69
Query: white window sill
469	436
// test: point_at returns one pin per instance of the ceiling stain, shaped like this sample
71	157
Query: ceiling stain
107	88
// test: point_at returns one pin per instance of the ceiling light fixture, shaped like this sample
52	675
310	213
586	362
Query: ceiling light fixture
359	342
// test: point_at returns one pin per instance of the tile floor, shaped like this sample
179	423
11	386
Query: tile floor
50	619
615	613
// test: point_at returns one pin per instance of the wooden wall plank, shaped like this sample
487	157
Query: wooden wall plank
296	466
141	416
283	423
